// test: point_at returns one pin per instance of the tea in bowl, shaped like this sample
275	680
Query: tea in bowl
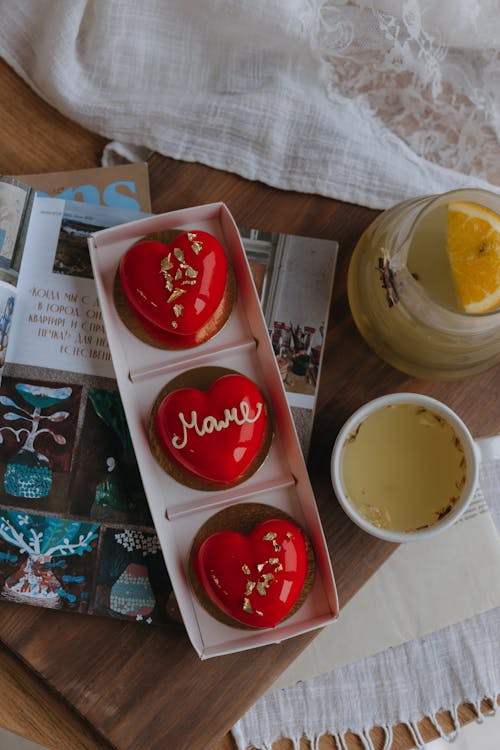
404	467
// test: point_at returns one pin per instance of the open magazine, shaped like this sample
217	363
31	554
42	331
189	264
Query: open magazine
75	529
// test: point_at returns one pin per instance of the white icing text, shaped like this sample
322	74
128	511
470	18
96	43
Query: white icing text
209	424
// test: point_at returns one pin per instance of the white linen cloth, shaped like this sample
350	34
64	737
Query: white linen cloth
440	671
369	101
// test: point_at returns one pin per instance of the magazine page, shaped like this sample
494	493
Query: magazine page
458	585
75	529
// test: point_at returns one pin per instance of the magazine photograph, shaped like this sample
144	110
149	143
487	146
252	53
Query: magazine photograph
294	278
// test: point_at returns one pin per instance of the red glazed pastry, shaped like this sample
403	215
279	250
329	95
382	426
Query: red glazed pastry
216	434
254	579
175	290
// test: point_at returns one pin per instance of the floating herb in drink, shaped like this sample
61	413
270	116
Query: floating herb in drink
403	467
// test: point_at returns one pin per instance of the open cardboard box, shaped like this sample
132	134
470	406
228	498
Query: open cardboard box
282	481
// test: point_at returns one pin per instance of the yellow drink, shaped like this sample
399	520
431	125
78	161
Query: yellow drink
402	294
403	467
428	261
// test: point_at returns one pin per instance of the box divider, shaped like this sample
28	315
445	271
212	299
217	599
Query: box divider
228	497
139	374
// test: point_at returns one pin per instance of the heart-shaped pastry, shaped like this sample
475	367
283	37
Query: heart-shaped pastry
216	434
175	288
254	579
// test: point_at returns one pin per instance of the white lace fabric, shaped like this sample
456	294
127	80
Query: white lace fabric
429	71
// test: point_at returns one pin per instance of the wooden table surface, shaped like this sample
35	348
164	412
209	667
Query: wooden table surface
138	691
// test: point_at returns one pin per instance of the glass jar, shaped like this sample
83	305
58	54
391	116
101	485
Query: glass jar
405	325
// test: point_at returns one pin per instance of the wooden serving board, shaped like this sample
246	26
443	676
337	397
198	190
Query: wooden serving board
149	689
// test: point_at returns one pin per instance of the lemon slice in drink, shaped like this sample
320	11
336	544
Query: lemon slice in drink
473	248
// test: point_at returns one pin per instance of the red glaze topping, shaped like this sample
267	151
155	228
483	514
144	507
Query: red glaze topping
177	287
214	434
255	579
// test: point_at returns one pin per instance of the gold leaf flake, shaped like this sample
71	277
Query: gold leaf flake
289	535
261	566
273	560
258	612
264	583
179	254
245	569
176	293
174	324
269	536
250	587
191	273
196	247
278	568
247	607
178	274
166	264
277	547
178	310
191	236
187	283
